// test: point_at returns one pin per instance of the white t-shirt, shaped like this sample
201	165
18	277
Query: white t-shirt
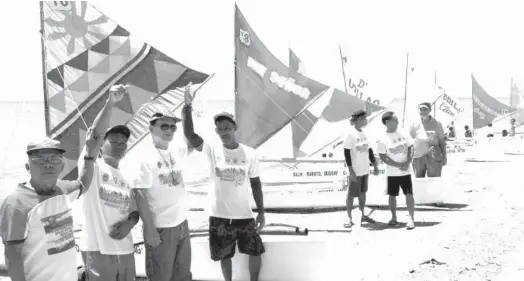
357	142
231	172
395	146
161	175
45	223
108	201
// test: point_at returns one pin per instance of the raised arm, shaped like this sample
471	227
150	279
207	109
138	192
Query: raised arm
189	131
94	138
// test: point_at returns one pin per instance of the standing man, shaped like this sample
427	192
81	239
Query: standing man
396	150
429	144
109	211
512	127
235	171
36	223
358	155
165	194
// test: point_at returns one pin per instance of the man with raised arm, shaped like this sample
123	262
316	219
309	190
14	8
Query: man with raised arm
235	171
109	210
36	222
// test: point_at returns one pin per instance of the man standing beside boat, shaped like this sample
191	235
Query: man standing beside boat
396	151
234	169
109	210
36	223
165	194
358	154
429	144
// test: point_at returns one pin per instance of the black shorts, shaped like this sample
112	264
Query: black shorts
395	183
224	234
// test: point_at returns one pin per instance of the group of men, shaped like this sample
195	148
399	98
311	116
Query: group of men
421	150
36	221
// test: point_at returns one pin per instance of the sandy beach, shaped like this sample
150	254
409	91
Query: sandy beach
479	239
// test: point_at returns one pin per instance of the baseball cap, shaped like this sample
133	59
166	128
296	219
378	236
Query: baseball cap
357	114
225	115
166	115
425	104
122	129
46	143
387	116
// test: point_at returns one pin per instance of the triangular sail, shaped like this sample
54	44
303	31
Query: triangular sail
85	52
486	108
517	101
266	99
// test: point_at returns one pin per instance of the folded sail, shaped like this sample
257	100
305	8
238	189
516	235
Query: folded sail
85	53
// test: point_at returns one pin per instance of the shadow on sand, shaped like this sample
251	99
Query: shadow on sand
384	226
447	207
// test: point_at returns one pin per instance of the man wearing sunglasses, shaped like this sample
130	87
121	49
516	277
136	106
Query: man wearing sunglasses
429	144
235	171
36	223
109	209
166	196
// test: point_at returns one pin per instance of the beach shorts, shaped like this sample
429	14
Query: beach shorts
359	186
426	165
224	234
395	183
99	267
171	260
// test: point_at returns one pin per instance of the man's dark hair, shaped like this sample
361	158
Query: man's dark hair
222	118
387	116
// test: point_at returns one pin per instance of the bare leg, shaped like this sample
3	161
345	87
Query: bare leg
227	269
255	263
362	202
393	207
349	205
410	202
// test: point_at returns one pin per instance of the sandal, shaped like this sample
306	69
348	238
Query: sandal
349	224
393	222
410	225
367	219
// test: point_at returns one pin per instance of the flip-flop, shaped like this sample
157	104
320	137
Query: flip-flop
393	222
349	224
410	225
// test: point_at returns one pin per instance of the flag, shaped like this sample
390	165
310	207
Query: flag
517	101
485	107
85	53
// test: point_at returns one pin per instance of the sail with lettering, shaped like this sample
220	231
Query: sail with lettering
517	101
85	52
266	99
486	108
447	108
333	106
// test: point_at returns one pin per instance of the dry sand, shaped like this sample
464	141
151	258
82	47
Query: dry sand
482	239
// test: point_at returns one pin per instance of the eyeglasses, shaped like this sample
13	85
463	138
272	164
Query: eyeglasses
42	160
165	127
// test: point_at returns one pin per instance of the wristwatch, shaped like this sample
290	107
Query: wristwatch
89	158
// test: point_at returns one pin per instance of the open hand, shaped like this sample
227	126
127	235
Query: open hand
120	229
260	221
117	92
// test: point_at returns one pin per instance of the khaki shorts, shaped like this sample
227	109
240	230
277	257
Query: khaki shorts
426	165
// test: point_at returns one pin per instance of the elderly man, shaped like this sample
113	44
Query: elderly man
429	144
36	223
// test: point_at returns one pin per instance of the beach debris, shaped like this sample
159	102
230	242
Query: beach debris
433	261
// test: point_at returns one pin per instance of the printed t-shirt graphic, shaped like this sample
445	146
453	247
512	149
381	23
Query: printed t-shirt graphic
232	168
161	174
108	201
357	142
45	225
395	145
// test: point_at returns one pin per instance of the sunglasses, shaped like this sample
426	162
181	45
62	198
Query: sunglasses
165	127
42	160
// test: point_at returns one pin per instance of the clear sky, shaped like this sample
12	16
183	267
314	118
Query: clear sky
455	38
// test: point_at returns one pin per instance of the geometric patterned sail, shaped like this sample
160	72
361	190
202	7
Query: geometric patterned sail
85	52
